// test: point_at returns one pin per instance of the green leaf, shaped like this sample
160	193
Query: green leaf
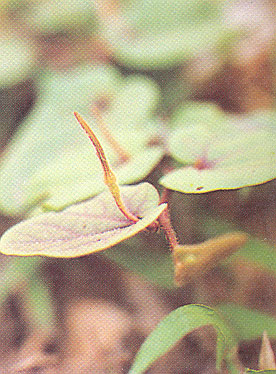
256	251
63	189
174	327
156	267
219	152
50	17
84	228
248	324
51	160
158	34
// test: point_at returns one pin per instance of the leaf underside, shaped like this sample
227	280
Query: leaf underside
84	228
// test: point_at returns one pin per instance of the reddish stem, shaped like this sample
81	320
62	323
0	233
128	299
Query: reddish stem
165	222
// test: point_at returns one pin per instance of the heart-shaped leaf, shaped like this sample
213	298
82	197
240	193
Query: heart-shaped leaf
219	153
160	34
51	159
84	228
174	327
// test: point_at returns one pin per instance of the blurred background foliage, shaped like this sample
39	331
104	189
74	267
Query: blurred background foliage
152	68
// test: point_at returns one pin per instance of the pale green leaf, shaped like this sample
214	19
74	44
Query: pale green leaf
192	180
51	155
51	17
67	190
158	34
219	153
84	228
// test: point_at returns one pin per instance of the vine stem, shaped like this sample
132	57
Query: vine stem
165	221
109	176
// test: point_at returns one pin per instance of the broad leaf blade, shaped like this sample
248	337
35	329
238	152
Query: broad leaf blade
84	228
174	327
159	35
219	152
192	180
50	152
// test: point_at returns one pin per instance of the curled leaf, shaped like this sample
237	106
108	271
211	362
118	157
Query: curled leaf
84	228
175	326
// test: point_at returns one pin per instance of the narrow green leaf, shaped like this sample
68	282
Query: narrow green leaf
174	327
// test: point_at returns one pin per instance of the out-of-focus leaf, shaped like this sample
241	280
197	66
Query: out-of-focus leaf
63	188
84	228
50	152
156	267
158	34
51	17
218	153
17	61
256	251
248	324
175	326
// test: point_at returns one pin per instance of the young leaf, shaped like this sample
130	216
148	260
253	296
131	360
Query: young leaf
218	153
174	327
84	228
